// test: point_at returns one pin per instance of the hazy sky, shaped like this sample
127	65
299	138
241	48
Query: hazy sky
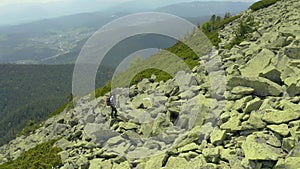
22	11
8	2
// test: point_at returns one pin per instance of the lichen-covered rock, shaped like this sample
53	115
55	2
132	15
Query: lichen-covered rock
177	162
100	163
261	86
212	154
288	143
234	122
281	129
260	146
83	162
292	162
253	105
278	117
123	165
156	162
189	147
257	64
241	90
217	136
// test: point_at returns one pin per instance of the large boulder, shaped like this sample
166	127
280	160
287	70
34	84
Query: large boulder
261	146
281	129
257	64
277	116
261	86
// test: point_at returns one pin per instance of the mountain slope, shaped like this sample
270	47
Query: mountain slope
194	120
32	92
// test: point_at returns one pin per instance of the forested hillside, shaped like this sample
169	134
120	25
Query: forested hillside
32	92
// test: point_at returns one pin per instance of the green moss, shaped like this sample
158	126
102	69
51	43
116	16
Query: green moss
262	4
43	156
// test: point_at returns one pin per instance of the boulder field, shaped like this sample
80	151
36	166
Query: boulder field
240	108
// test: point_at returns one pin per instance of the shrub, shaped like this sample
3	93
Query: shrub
43	156
211	28
242	33
262	4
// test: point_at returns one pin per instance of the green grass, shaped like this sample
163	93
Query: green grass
160	76
103	90
43	156
262	4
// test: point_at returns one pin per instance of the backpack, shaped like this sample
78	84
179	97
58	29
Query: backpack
107	100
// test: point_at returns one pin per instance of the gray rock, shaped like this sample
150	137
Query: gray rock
185	80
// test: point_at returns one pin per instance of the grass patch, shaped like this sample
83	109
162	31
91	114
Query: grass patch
262	4
43	156
103	90
160	76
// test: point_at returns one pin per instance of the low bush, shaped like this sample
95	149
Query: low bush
211	28
242	33
262	4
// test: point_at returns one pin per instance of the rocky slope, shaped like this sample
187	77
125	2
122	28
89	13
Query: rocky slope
239	109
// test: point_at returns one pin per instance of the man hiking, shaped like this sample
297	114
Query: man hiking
110	101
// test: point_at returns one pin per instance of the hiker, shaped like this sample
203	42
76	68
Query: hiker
110	101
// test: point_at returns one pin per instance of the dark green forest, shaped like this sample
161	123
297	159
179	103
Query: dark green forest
32	92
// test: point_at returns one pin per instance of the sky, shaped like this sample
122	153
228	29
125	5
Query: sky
9	2
22	11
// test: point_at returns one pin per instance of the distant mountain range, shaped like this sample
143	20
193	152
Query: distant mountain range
191	9
59	40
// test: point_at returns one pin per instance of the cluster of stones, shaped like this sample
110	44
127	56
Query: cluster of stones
239	109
